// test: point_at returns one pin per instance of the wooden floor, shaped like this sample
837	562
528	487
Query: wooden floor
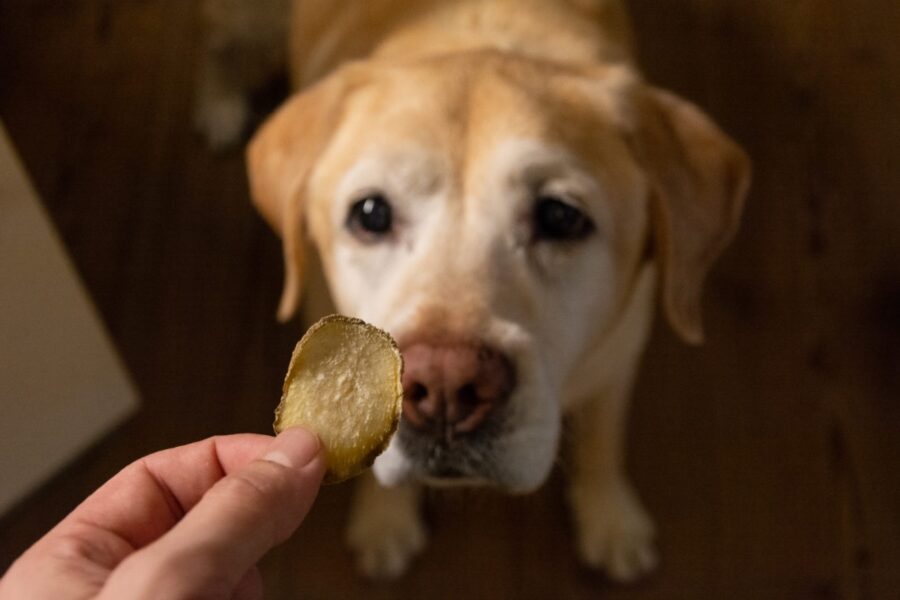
770	456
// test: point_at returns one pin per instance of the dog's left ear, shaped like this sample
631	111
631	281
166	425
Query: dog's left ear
280	158
699	180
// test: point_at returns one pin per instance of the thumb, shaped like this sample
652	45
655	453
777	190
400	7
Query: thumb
238	520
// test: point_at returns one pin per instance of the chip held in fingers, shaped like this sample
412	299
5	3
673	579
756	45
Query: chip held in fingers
344	383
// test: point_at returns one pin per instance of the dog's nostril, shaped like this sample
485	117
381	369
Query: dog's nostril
416	403
451	389
468	396
464	404
417	392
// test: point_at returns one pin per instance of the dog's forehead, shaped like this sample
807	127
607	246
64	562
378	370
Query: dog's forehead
475	124
470	102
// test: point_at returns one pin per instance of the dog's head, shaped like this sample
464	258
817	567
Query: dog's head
496	215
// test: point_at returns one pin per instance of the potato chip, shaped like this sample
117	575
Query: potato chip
344	383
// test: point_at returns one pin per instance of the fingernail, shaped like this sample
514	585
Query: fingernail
295	448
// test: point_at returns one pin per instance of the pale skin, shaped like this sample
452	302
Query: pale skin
187	522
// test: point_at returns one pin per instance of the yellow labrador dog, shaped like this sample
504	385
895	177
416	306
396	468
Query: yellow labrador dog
492	182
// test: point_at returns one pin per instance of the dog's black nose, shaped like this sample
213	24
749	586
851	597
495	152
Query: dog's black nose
450	389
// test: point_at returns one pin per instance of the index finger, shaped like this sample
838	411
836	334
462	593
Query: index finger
149	496
231	528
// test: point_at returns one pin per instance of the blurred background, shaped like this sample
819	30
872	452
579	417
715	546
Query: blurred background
770	457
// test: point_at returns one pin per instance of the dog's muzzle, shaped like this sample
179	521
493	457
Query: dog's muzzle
453	398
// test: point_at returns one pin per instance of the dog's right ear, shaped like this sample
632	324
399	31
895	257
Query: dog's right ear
280	158
699	178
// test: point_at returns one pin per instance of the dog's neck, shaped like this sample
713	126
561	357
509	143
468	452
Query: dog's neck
573	31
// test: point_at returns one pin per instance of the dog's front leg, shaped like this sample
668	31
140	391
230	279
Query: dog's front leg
614	530
386	530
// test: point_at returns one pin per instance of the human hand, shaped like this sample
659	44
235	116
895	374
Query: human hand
188	522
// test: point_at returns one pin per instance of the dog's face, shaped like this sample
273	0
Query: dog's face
493	215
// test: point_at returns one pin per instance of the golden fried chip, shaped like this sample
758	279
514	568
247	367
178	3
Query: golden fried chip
344	384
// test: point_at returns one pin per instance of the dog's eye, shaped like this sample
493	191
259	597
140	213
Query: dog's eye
371	216
555	220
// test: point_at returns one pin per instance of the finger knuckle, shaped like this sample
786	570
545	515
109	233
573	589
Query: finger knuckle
257	485
262	488
71	547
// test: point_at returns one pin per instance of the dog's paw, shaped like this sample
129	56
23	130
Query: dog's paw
385	532
222	120
385	544
614	531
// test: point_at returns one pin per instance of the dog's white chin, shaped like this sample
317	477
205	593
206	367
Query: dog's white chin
529	458
524	463
392	467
